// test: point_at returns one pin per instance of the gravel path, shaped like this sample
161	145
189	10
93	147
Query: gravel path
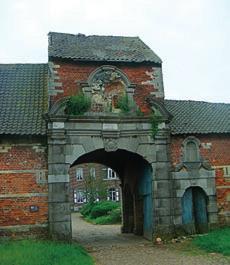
109	247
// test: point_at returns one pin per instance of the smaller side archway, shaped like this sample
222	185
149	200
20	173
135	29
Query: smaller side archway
194	210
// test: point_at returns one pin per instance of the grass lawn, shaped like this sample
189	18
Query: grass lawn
29	252
216	241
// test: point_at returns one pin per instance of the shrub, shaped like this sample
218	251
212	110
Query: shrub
78	105
103	208
112	217
86	209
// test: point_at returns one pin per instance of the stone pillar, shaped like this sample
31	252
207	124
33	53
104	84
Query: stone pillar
162	185
58	181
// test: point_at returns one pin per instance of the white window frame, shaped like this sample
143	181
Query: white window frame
111	174
92	172
79	196
226	170
113	195
79	174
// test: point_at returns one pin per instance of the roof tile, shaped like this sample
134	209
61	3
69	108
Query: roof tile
198	117
23	94
100	48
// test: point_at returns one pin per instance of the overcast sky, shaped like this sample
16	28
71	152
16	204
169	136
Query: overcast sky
192	37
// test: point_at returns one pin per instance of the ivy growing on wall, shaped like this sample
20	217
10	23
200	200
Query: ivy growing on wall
154	120
78	105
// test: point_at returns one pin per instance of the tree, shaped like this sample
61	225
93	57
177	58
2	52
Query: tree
95	188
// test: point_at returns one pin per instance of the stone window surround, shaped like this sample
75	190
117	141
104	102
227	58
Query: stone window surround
194	140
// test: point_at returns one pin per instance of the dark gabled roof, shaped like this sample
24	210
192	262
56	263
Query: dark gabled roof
23	98
100	48
198	117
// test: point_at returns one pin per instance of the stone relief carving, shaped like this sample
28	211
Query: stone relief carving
110	144
106	87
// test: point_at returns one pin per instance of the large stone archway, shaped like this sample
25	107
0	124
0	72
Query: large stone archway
135	175
72	138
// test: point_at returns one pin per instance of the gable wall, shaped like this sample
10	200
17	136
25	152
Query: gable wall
70	74
215	149
23	183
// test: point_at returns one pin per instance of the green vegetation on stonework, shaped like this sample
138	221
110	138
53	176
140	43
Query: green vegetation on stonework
123	104
103	212
215	241
154	120
31	252
78	105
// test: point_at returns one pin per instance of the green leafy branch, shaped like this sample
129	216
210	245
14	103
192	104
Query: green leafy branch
154	120
78	105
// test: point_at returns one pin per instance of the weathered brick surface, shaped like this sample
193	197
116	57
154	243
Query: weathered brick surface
20	187
22	157
20	183
16	211
218	154
71	74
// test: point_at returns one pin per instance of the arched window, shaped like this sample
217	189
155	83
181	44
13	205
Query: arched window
191	152
191	149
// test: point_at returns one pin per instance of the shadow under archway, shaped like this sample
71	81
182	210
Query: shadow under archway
135	174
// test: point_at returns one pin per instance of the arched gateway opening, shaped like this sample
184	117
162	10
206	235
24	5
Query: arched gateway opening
124	144
135	175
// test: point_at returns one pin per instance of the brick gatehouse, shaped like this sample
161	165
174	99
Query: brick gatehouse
172	156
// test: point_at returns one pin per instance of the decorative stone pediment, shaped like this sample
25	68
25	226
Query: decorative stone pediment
159	109
105	86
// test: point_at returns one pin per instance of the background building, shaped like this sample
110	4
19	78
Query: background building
94	178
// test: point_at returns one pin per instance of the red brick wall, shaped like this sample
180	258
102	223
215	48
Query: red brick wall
71	73
218	155
23	183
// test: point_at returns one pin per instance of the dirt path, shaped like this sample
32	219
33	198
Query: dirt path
109	247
